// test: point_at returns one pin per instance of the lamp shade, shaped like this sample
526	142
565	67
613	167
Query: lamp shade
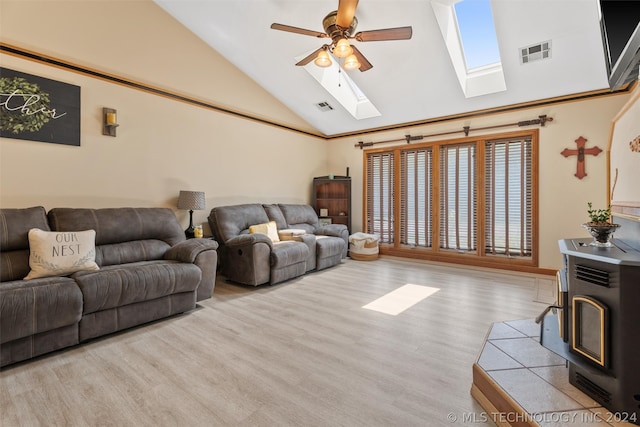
351	63
342	49
322	60
191	200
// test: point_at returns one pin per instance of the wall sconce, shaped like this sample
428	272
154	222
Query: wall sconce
109	121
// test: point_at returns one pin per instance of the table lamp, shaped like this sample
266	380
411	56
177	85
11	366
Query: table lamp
191	200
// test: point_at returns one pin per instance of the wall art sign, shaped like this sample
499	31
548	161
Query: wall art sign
38	109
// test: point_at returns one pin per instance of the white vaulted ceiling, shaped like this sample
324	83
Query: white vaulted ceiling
411	80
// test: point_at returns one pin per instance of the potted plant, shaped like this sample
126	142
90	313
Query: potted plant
600	226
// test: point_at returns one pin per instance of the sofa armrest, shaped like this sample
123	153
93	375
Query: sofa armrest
335	230
188	250
203	253
247	259
244	240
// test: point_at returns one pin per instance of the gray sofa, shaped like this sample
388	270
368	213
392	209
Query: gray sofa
147	271
254	259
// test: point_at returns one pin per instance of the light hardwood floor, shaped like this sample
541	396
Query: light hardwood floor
300	353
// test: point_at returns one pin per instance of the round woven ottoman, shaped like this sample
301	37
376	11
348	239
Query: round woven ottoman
363	246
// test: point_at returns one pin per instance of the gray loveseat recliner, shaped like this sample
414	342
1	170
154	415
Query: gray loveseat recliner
147	271
254	259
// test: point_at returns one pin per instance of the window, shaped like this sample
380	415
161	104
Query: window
477	33
379	196
469	199
508	193
416	201
469	34
457	197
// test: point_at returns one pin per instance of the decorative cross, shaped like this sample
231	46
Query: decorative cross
580	152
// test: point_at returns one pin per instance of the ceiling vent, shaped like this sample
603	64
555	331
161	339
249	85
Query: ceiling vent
324	106
535	52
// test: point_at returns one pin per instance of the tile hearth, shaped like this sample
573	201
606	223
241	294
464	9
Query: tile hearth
521	383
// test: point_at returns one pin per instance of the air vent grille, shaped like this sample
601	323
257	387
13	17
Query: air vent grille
324	106
592	389
592	275
535	52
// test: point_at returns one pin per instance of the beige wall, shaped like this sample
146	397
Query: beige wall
625	162
563	197
164	146
136	39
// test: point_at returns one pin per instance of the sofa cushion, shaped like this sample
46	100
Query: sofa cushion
300	216
268	228
14	239
14	265
36	306
329	246
117	225
330	250
15	225
54	253
128	252
120	285
275	214
228	222
134	234
287	253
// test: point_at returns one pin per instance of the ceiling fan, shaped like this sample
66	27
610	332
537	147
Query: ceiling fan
340	26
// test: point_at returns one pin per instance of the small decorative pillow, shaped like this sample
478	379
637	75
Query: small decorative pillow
268	228
57	253
291	233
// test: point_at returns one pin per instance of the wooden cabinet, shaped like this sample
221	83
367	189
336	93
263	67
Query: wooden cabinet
334	195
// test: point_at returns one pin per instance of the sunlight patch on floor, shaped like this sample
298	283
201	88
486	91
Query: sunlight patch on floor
397	301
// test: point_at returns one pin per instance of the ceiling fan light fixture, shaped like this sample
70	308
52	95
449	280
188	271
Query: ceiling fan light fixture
322	60
342	48
351	63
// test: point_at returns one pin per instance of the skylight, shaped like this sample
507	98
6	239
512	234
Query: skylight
477	32
338	83
471	40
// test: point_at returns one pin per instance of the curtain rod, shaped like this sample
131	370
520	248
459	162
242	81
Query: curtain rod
541	120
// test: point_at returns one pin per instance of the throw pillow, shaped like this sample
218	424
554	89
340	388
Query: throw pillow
291	234
57	253
268	228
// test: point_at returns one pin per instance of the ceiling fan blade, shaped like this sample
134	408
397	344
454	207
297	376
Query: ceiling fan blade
400	33
346	12
297	30
310	57
364	62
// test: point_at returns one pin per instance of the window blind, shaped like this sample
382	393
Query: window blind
508	188
457	197
416	199
380	195
474	197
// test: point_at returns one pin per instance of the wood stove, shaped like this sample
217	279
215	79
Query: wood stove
597	322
